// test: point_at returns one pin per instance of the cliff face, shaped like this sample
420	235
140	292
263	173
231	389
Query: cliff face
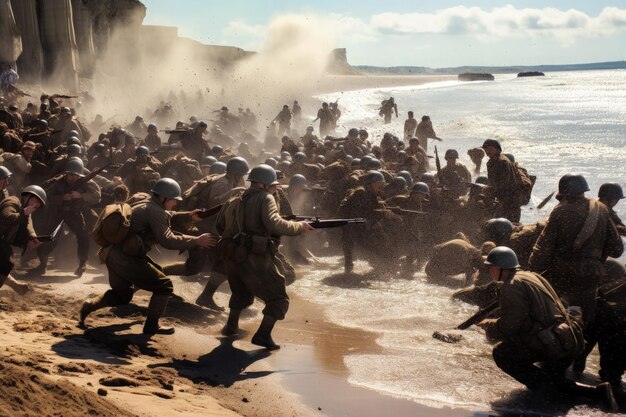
60	40
338	63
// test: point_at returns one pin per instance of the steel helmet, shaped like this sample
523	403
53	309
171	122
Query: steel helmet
571	184
72	140
271	162
482	180
492	142
365	160
297	180
502	257
364	133
168	188
4	172
217	150
320	159
353	132
510	157
373	164
36	191
99	147
75	166
207	161
74	149
420	187
428	177
610	191
142	151
349	159
451	154
498	229
152	126
300	157
263	174
73	133
237	166
218	168
399	182
355	162
407	176
372	176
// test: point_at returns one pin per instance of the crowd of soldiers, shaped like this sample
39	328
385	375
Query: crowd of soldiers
188	193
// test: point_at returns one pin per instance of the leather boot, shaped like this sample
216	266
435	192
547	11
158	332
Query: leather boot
82	267
263	336
206	297
231	328
152	327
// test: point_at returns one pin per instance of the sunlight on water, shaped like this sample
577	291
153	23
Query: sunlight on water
564	122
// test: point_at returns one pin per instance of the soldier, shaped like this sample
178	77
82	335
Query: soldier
288	145
476	155
454	176
334	110
128	151
128	262
16	229
206	164
325	116
137	127
152	139
534	327
68	199
610	194
454	257
310	141
387	107
101	158
5	176
502	187
247	226
410	125
284	121
425	131
296	110
193	142
574	245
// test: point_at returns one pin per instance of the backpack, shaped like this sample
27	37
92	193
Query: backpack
525	184
193	196
112	225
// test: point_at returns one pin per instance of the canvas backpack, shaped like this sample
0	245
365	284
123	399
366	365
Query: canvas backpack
193	196
112	225
525	183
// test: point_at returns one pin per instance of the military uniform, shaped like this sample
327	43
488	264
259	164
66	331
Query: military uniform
454	257
424	131
257	274
573	267
455	179
15	229
503	188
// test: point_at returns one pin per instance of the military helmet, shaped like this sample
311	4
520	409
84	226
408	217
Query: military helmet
373	164
152	126
73	133
41	123
400	183
571	184
421	187
355	162
320	159
482	180
168	188
492	142
217	150
451	154
99	147
502	257
364	133
207	161
66	110
75	166
74	149
407	176
4	172
263	174
36	191
271	162
610	191
297	181
237	166
309	128
72	140
300	157
353	132
401	154
349	158
142	151
372	176
365	160
218	168
427	177
498	229
510	157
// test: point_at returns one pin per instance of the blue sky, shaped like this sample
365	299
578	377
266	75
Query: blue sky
435	33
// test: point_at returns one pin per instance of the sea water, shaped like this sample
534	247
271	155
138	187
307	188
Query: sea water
563	122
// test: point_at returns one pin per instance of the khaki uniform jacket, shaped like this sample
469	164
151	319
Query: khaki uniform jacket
12	218
557	240
525	310
502	178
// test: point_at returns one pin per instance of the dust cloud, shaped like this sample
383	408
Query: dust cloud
141	71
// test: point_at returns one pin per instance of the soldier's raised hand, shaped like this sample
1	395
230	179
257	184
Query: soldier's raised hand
207	240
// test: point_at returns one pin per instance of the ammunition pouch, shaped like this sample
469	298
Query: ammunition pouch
259	245
133	246
562	340
233	250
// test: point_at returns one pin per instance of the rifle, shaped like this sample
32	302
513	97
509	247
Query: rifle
545	201
171	131
318	223
479	316
437	162
84	180
62	96
208	212
47	238
405	211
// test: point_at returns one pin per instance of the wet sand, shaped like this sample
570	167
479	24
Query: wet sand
338	83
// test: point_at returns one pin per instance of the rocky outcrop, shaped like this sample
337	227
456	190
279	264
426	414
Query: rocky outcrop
338	63
10	41
30	62
531	74
475	76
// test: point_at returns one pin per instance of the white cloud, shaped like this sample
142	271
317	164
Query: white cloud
507	21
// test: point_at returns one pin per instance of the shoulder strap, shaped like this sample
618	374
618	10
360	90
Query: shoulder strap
589	227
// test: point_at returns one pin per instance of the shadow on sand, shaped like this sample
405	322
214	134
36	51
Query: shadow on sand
223	366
